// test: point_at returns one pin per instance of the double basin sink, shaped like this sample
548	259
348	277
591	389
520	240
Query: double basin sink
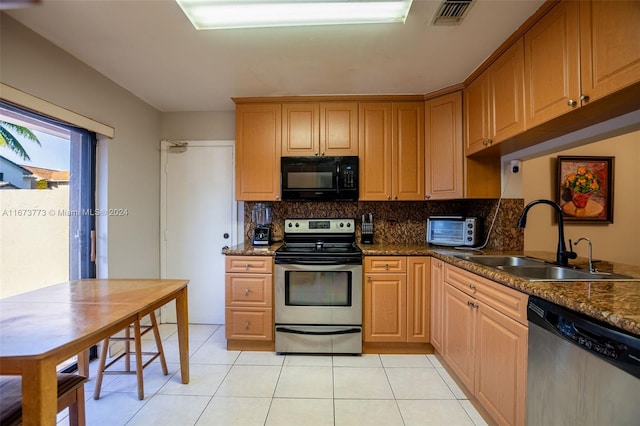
533	269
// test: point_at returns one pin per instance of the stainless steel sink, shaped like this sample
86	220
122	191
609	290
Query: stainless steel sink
559	273
532	269
493	261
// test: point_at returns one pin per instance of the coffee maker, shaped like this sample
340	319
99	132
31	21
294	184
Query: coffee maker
261	216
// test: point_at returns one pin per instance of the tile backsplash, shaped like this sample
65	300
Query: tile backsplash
400	222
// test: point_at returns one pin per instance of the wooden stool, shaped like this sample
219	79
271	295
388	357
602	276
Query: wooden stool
70	394
139	331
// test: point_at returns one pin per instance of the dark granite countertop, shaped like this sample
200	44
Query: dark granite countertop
614	302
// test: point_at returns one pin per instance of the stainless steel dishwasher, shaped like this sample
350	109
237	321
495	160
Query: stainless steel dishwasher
580	371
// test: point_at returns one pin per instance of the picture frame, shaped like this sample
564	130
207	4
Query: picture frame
585	188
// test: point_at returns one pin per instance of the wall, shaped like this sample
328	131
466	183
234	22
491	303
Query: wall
130	178
34	248
614	242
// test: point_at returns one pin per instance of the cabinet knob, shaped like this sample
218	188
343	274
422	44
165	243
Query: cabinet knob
368	277
572	103
426	197
472	304
277	198
246	266
388	197
490	142
584	98
439	264
316	154
322	153
472	287
247	325
386	266
395	197
246	291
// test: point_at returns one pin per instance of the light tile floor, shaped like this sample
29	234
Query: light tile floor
262	388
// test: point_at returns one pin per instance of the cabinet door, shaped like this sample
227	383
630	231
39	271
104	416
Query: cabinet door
407	169
501	365
258	148
459	332
476	115
374	147
300	129
552	55
418	298
506	94
437	303
339	128
609	46
385	317
444	171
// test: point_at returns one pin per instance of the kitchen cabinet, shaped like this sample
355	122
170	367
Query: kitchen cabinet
258	147
444	167
391	150
485	342
579	52
609	46
396	299
437	303
249	302
319	128
494	102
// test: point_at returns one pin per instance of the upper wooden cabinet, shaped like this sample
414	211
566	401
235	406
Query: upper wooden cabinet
494	102
391	150
319	128
579	52
444	168
609	46
258	142
552	64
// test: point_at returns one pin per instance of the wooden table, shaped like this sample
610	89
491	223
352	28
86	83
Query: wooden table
42	328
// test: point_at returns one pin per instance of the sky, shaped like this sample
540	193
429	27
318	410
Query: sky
53	154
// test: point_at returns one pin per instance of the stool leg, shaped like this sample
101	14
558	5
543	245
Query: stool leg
156	334
138	350
103	360
77	410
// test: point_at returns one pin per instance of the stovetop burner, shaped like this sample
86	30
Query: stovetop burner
304	238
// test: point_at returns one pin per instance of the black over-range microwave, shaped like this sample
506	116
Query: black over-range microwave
319	178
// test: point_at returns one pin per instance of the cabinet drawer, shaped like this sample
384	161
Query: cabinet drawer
508	301
385	264
248	290
460	279
253	264
249	323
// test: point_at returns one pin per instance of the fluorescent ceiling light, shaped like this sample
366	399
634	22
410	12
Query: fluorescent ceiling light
225	14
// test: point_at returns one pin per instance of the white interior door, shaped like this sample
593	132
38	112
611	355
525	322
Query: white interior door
197	218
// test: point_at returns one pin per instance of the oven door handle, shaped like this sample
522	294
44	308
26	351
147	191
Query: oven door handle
319	333
317	261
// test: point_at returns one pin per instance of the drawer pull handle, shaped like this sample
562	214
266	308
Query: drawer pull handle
473	305
246	291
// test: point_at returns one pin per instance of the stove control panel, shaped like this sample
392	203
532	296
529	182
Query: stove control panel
333	226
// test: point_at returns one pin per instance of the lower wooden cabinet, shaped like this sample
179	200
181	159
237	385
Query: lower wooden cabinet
437	303
396	299
249	302
485	340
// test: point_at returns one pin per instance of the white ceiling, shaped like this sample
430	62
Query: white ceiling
150	48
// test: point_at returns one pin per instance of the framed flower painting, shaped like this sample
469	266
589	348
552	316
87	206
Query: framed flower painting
585	188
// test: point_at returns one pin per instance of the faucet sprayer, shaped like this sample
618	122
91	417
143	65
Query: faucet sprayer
562	255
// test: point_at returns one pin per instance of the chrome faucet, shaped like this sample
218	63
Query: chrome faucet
592	269
562	255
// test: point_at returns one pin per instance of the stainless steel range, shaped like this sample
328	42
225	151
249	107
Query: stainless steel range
318	288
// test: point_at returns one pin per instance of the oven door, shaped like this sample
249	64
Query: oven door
326	294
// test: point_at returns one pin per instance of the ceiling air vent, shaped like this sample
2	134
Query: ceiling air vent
451	12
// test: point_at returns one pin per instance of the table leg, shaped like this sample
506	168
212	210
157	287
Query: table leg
182	317
39	393
83	363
